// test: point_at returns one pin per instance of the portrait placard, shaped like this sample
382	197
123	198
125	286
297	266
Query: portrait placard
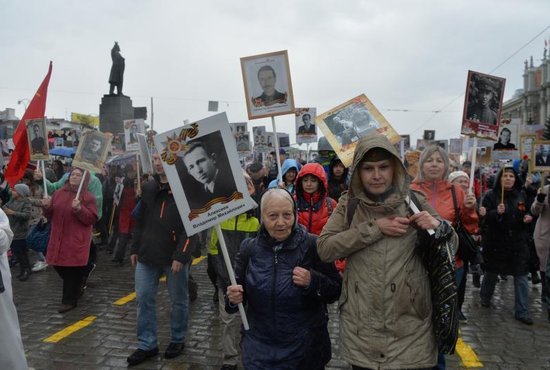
482	105
92	151
306	130
267	85
428	135
37	136
540	156
406	141
202	166
243	142
526	145
508	135
132	127
260	139
455	146
346	123
144	154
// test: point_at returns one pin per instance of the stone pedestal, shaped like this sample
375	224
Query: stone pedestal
112	111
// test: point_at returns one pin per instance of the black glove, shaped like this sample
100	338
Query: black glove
541	197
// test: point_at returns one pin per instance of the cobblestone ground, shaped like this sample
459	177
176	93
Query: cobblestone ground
498	341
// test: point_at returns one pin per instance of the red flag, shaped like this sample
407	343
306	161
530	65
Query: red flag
21	155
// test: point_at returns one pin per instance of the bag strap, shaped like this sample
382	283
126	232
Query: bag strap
329	205
455	205
350	212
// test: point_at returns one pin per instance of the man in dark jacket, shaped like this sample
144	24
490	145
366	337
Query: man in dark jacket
160	246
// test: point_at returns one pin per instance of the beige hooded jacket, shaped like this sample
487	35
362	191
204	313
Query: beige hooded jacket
385	305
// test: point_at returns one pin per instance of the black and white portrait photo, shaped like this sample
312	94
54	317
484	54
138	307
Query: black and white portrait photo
144	154
541	160
306	130
243	142
37	138
267	85
132	127
428	135
92	151
202	166
483	105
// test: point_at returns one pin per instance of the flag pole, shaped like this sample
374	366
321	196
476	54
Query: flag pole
473	166
80	185
44	179
277	154
231	273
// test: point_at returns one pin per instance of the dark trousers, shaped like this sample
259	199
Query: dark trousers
19	249
366	368
72	282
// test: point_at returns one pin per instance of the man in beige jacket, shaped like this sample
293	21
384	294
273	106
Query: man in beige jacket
385	305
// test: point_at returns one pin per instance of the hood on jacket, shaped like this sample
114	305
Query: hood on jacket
400	178
314	169
289	164
295	225
497	186
333	162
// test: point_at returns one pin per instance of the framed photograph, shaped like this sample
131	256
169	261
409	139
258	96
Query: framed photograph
443	144
144	154
239	128
540	156
526	145
306	130
507	135
37	136
482	105
455	146
92	151
428	135
132	127
260	139
202	166
346	123
267	85
243	142
406	141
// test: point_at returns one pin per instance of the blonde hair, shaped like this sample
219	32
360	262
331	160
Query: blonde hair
426	154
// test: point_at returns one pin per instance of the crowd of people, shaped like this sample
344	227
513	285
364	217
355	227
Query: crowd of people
320	234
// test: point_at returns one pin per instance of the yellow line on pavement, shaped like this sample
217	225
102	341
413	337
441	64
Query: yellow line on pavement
467	354
122	301
197	260
70	329
130	297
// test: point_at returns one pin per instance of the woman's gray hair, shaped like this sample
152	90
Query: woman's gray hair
277	194
426	154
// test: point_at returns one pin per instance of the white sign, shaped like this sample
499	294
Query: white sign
205	176
144	154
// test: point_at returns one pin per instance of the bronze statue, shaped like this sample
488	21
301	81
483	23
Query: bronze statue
117	71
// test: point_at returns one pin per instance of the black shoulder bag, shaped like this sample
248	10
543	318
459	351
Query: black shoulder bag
468	249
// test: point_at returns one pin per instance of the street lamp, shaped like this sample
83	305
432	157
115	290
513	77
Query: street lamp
24	102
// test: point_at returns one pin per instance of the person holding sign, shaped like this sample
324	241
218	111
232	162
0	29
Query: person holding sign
504	241
281	276
72	220
385	304
160	246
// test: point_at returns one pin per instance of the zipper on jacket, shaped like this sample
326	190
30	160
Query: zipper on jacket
276	259
310	215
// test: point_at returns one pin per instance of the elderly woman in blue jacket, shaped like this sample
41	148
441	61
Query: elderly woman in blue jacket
286	288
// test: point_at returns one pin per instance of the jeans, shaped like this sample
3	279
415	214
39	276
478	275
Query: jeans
521	292
147	282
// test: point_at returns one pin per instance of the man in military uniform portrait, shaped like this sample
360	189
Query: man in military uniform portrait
483	101
38	142
92	151
270	96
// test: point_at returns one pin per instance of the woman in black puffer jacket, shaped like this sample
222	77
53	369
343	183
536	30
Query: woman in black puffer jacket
286	288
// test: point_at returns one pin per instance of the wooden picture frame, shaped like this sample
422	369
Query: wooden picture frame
267	85
540	156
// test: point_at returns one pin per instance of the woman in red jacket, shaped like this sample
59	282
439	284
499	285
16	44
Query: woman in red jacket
313	203
72	221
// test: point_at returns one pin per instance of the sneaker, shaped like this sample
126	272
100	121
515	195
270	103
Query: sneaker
476	280
535	279
140	355
174	350
525	320
39	266
65	308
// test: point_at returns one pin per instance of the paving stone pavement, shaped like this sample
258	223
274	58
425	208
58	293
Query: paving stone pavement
499	341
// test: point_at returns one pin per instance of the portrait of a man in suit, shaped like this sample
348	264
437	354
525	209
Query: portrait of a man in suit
211	176
307	127
542	158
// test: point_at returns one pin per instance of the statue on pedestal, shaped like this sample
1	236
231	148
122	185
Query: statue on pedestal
117	71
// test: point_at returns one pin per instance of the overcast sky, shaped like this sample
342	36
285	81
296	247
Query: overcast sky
404	54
